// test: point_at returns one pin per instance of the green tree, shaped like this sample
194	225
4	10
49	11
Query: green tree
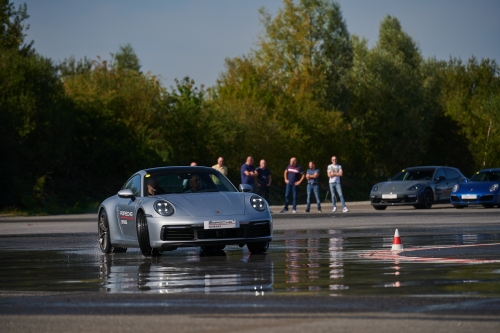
307	51
471	97
126	59
35	121
13	29
392	111
284	94
121	114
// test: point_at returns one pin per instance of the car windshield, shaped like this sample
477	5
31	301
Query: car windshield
186	181
415	174
486	176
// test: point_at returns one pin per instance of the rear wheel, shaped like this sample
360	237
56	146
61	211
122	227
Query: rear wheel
103	232
143	237
380	207
104	237
256	248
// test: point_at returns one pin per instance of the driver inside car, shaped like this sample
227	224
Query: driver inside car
153	187
194	183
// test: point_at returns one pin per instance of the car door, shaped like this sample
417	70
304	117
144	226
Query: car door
441	184
452	177
126	208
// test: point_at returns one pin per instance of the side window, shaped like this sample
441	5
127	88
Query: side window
451	174
134	184
439	173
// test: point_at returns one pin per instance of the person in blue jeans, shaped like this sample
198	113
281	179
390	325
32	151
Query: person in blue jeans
312	176
334	173
294	175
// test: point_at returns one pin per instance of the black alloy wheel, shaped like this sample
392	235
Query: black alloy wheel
103	232
427	199
104	238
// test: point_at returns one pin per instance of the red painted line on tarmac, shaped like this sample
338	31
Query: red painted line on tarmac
394	255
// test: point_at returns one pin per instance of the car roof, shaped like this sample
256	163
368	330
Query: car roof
177	168
426	167
490	169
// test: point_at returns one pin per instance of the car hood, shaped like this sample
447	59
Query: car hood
210	203
397	186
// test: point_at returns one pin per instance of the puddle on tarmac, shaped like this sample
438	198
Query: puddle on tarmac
319	262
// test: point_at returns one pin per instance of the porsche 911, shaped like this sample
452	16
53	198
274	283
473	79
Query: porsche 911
162	209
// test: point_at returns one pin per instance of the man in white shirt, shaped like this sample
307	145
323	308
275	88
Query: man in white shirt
334	173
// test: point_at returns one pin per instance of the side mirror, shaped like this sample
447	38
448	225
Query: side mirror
245	188
126	194
440	178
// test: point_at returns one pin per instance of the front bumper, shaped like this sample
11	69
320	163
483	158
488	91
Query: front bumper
400	200
167	234
481	199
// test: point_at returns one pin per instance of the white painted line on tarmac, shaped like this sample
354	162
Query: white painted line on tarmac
394	255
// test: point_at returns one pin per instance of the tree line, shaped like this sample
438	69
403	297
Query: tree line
73	132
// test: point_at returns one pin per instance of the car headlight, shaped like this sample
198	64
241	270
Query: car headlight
455	188
493	187
258	203
163	207
375	188
414	187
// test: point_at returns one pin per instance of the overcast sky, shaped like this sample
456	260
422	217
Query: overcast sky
178	38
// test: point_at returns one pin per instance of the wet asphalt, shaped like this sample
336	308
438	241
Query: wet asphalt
36	309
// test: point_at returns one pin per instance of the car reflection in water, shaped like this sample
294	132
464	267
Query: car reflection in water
207	274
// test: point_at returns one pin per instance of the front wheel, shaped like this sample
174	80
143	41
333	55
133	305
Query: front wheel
460	206
143	237
427	199
256	248
380	207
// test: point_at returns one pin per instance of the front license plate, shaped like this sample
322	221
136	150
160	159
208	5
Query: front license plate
389	196
222	224
469	196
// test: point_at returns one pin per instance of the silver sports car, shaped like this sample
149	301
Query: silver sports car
418	186
161	209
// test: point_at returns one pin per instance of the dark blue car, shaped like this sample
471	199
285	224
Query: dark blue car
482	189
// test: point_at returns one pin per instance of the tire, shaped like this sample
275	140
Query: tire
460	206
103	234
427	199
488	206
212	249
380	207
143	237
257	248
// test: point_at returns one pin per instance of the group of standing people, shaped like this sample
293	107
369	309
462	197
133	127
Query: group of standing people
294	175
261	178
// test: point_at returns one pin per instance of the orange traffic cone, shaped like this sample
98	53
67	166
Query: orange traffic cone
396	243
